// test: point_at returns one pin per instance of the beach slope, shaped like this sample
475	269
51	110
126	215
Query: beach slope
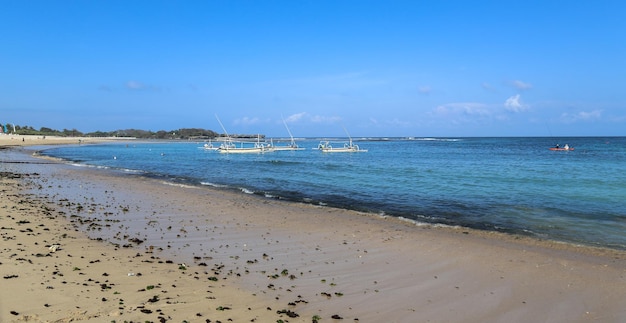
86	245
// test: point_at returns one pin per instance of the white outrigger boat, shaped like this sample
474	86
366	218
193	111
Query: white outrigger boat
209	146
242	147
348	147
291	146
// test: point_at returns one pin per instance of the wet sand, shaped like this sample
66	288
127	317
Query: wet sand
252	259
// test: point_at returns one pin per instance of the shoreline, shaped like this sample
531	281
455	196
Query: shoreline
357	266
436	221
8	140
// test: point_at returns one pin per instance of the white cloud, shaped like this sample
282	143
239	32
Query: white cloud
521	85
514	104
469	113
581	116
247	121
324	119
295	117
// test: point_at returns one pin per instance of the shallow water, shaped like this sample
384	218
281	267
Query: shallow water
505	184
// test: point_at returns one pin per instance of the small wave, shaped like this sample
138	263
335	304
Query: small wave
132	171
124	170
436	139
282	162
90	166
382	215
213	185
46	157
414	222
82	165
245	190
177	184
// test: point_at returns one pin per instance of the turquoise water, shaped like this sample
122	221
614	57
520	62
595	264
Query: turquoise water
512	185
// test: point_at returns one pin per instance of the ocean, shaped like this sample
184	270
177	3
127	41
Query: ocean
514	185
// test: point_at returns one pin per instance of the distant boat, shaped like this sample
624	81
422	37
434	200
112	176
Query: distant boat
209	146
326	146
564	148
291	146
245	147
242	147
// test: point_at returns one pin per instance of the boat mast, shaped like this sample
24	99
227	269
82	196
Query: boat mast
350	138
226	132
288	131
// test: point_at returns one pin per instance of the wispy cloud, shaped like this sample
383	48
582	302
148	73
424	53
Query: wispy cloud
424	89
134	85
138	86
295	117
581	116
468	109
246	121
307	117
471	113
514	104
395	122
486	86
300	117
324	119
521	85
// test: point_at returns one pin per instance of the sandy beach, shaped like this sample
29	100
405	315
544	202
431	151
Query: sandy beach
8	140
80	244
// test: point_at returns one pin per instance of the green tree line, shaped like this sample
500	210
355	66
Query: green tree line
184	133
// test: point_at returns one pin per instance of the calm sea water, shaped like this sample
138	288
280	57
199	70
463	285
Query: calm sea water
506	184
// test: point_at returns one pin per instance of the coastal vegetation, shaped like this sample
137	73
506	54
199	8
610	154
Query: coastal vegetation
183	133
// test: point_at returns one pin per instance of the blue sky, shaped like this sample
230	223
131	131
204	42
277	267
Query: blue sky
377	68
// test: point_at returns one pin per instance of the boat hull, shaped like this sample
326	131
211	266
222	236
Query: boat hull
342	150
244	150
278	148
326	147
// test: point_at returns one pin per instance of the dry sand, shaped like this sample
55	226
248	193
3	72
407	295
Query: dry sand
122	240
32	140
